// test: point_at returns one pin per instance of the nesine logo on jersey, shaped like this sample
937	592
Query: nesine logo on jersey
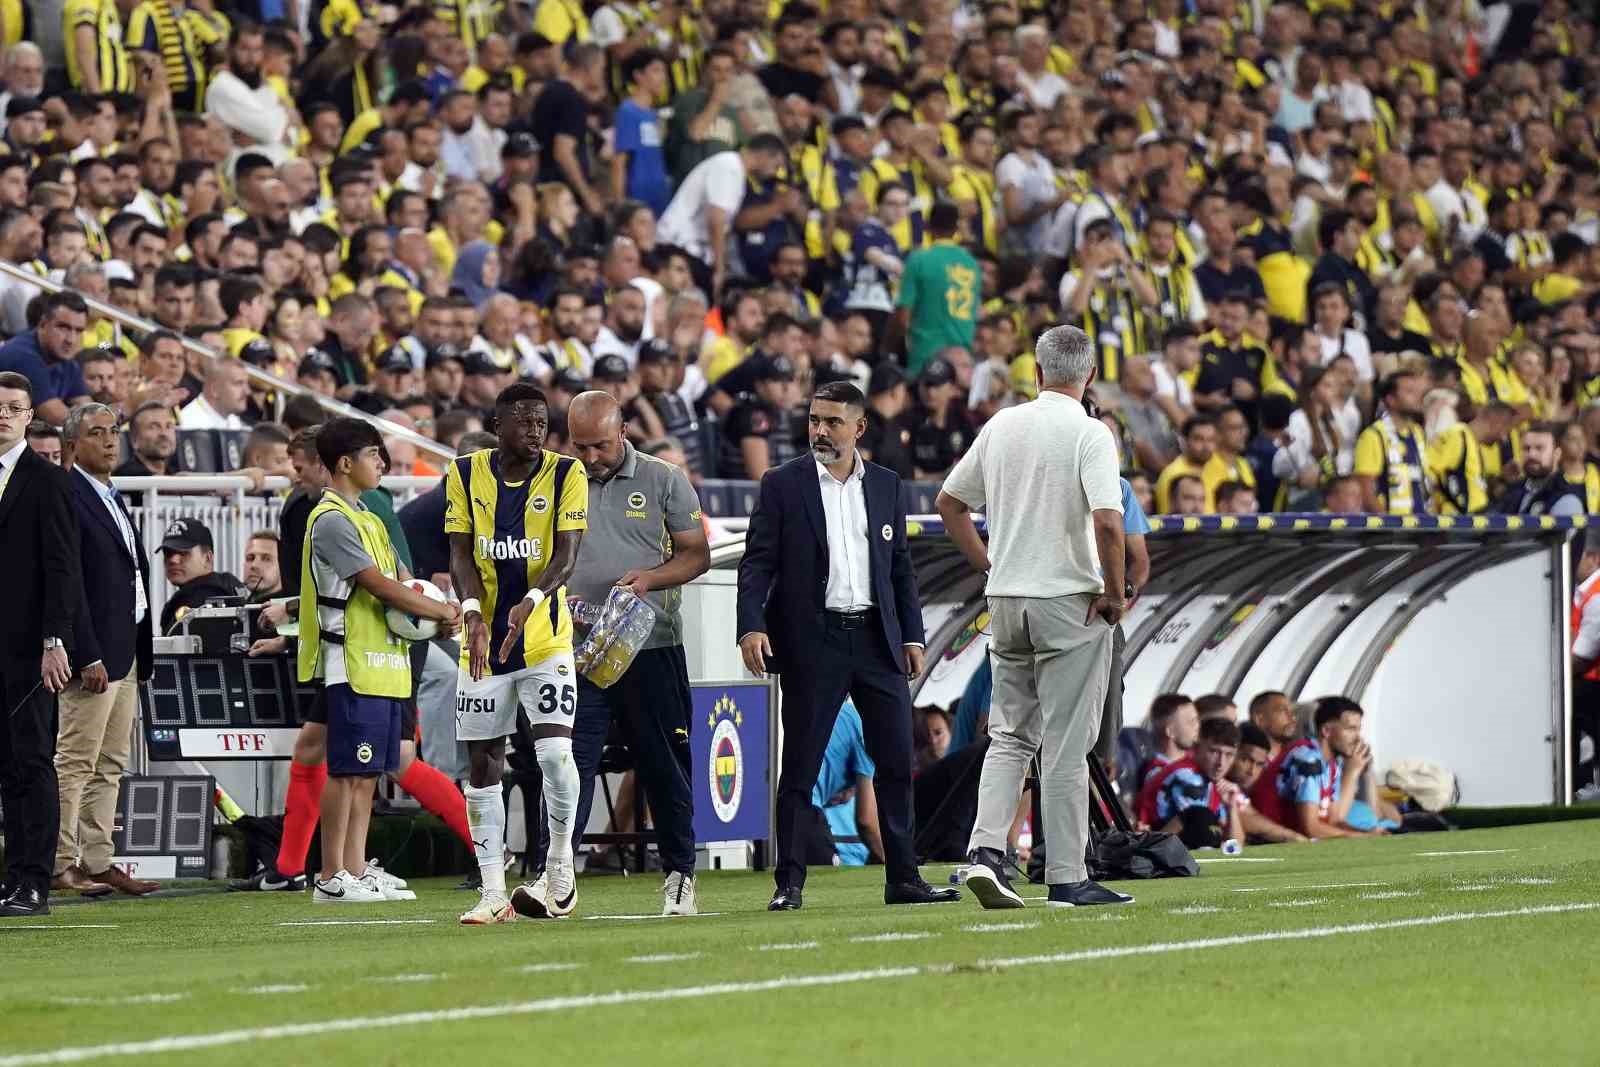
510	548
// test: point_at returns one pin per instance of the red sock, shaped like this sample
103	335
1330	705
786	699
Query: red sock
301	810
439	795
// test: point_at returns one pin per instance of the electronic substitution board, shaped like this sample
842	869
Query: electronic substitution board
163	828
222	707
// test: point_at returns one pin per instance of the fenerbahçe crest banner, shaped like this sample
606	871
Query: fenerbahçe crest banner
729	732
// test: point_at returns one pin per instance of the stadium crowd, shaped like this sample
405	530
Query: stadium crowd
1335	255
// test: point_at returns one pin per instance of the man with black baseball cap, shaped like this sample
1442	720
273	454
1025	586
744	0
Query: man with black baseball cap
661	371
942	429
887	441
25	127
443	372
318	372
481	381
763	430
189	555
392	381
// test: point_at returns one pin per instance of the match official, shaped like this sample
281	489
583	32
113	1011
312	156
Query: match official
828	599
1045	474
644	534
43	578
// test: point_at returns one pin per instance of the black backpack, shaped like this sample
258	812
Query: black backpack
1119	855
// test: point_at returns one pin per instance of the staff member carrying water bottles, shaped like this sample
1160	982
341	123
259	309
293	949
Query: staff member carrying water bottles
645	535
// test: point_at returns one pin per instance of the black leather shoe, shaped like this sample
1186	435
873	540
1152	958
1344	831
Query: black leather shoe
24	901
918	892
1083	894
785	899
986	878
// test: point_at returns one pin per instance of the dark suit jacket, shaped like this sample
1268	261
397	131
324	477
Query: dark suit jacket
783	578
40	571
105	628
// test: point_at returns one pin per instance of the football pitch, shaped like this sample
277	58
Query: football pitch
1459	948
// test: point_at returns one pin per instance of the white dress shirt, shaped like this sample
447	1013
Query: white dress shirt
198	414
844	508
108	496
8	463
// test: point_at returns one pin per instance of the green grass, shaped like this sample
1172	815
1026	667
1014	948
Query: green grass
1483	989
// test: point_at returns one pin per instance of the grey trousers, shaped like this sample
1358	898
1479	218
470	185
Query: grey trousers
1051	669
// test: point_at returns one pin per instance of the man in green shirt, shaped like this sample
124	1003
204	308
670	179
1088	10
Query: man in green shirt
704	122
939	295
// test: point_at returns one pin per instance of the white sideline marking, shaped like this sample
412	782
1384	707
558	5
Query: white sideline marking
64	926
217	1039
663	957
635	918
1108	918
1194	909
994	928
1239	859
1533	881
1393	894
267	990
357	922
545	968
862	939
137	998
796	946
1469	852
399	979
1304	902
1476	887
1329	885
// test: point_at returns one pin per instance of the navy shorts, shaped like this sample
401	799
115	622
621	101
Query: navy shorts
363	733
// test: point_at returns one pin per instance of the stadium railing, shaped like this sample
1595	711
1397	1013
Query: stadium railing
281	388
231	509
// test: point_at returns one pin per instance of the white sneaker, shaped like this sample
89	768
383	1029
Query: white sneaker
530	898
392	881
386	883
345	888
561	894
678	894
491	908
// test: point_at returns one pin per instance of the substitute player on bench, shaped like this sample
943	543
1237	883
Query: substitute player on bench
515	516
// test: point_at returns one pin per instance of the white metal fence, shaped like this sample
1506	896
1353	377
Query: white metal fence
229	507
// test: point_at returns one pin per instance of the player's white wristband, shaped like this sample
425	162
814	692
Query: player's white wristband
536	595
470	605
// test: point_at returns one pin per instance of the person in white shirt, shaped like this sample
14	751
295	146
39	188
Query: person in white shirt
1180	354
1055	602
1042	87
624	329
221	401
242	101
1330	310
700	217
1027	184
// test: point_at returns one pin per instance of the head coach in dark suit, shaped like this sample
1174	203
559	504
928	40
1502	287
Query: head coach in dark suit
828	600
39	570
113	656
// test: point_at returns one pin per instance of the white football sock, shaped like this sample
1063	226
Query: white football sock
486	818
560	794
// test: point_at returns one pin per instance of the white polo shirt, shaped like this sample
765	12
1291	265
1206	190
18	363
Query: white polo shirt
1039	471
717	181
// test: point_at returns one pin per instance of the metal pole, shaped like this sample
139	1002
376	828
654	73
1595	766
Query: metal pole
283	386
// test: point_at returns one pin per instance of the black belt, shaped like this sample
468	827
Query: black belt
851	620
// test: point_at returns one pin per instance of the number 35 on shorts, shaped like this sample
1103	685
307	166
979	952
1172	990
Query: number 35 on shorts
487	709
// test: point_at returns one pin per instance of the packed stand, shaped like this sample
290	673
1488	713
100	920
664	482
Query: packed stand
1335	256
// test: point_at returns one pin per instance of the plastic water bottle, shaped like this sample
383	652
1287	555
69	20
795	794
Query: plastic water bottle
585	613
1231	847
620	631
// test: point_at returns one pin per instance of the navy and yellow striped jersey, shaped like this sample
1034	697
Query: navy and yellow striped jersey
513	526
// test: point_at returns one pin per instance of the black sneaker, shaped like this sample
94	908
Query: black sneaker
986	877
269	880
1084	894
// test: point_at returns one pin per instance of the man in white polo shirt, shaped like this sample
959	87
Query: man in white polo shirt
700	218
1045	474
221	402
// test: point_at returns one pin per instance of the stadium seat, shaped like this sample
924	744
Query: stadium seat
742	498
923	495
715	498
230	449
197	452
